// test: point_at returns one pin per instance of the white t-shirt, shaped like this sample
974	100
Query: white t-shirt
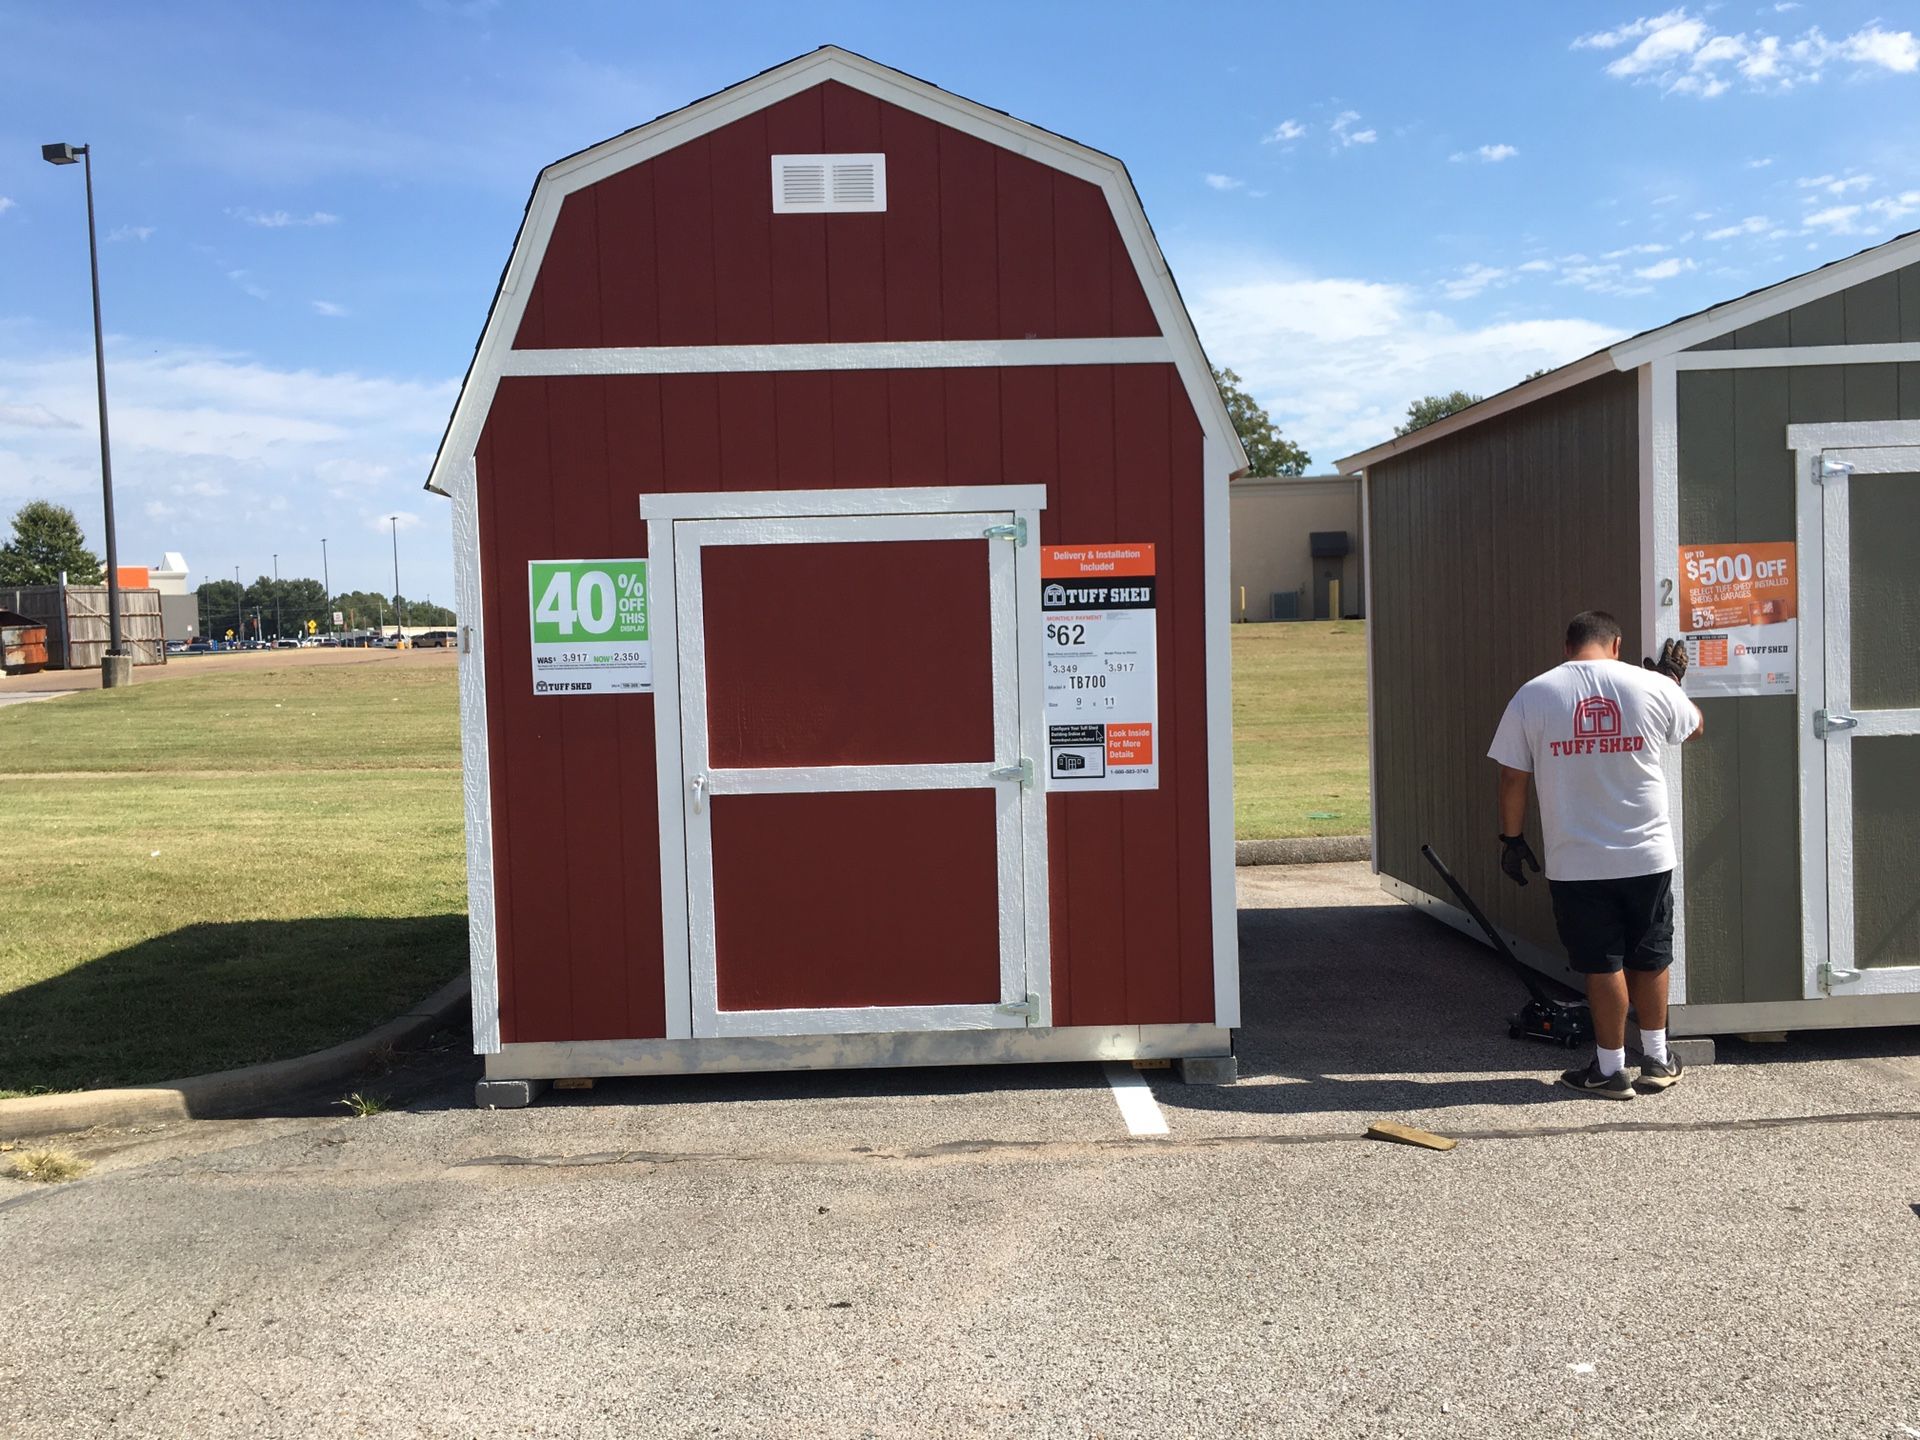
1593	734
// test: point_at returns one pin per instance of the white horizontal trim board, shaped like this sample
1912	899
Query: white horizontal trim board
547	1060
843	779
1853	435
871	355
1905	352
791	504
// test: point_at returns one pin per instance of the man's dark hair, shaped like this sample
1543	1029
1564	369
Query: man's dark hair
1591	627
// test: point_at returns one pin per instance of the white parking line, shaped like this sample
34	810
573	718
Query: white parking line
1135	1098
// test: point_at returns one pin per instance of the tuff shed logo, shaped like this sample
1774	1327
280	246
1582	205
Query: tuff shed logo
1596	730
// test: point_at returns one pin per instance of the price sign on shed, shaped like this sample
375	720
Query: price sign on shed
1102	679
589	627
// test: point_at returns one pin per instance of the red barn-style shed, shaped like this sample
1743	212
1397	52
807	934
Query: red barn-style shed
840	523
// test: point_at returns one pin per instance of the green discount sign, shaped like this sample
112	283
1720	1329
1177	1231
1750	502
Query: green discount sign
589	627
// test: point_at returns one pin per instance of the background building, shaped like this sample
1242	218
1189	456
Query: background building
1296	548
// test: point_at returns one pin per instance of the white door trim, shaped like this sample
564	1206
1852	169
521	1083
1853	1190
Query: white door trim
911	500
686	856
1826	774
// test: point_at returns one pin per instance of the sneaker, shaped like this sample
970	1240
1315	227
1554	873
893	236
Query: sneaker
1617	1086
1657	1075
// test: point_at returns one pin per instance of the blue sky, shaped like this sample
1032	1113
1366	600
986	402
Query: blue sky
305	209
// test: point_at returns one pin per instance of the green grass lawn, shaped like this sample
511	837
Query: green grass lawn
1300	729
240	866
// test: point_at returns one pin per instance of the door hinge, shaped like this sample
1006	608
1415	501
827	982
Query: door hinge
1830	469
1830	977
1028	1009
1016	532
1826	722
1023	772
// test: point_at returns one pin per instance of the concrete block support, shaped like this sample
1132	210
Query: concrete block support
1208	1069
507	1094
1693	1053
115	671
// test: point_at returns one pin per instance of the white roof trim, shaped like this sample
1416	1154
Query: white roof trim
1671	339
1895	254
610	157
1525	393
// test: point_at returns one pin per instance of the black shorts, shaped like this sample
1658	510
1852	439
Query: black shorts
1609	923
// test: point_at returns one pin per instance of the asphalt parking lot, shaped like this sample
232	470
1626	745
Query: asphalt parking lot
997	1252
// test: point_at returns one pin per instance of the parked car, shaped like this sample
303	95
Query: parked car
201	647
286	642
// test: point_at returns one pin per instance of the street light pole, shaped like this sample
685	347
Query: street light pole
116	668
239	607
326	583
279	628
399	623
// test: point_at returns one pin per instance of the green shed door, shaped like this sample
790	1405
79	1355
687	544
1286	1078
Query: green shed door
1870	516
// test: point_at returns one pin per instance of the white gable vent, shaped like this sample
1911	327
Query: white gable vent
822	184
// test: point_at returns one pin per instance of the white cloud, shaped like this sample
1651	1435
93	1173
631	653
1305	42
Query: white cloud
6	203
282	219
33	417
1894	207
1473	279
1752	225
247	285
1487	154
1835	184
328	308
1837	218
246	457
1650	248
1336	360
1895	50
1344	132
1666	269
1684	54
1760	164
1536	267
142	233
1286	132
1224	182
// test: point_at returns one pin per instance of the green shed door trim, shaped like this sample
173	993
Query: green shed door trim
1827	458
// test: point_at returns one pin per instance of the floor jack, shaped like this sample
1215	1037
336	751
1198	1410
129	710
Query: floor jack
1558	1022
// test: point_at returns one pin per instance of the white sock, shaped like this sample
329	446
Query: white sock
1653	1044
1611	1062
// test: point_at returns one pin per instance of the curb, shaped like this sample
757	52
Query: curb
1303	850
227	1092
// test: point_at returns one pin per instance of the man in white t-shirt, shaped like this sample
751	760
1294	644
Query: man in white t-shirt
1592	735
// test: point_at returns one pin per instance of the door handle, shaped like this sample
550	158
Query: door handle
697	789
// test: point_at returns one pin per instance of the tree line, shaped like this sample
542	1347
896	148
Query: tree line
47	543
269	608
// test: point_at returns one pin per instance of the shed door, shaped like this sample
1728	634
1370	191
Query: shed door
857	826
1870	725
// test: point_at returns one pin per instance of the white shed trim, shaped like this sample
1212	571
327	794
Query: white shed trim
874	355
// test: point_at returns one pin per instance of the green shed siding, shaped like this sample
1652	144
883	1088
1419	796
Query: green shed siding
1742	849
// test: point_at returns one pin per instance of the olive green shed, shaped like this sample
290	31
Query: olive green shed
1791	414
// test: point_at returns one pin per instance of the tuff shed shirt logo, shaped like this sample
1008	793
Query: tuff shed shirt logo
1596	730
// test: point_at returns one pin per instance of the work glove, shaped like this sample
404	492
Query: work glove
1514	853
1672	662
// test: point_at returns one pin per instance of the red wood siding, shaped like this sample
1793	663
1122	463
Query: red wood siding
817	898
793	636
561	466
976	243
